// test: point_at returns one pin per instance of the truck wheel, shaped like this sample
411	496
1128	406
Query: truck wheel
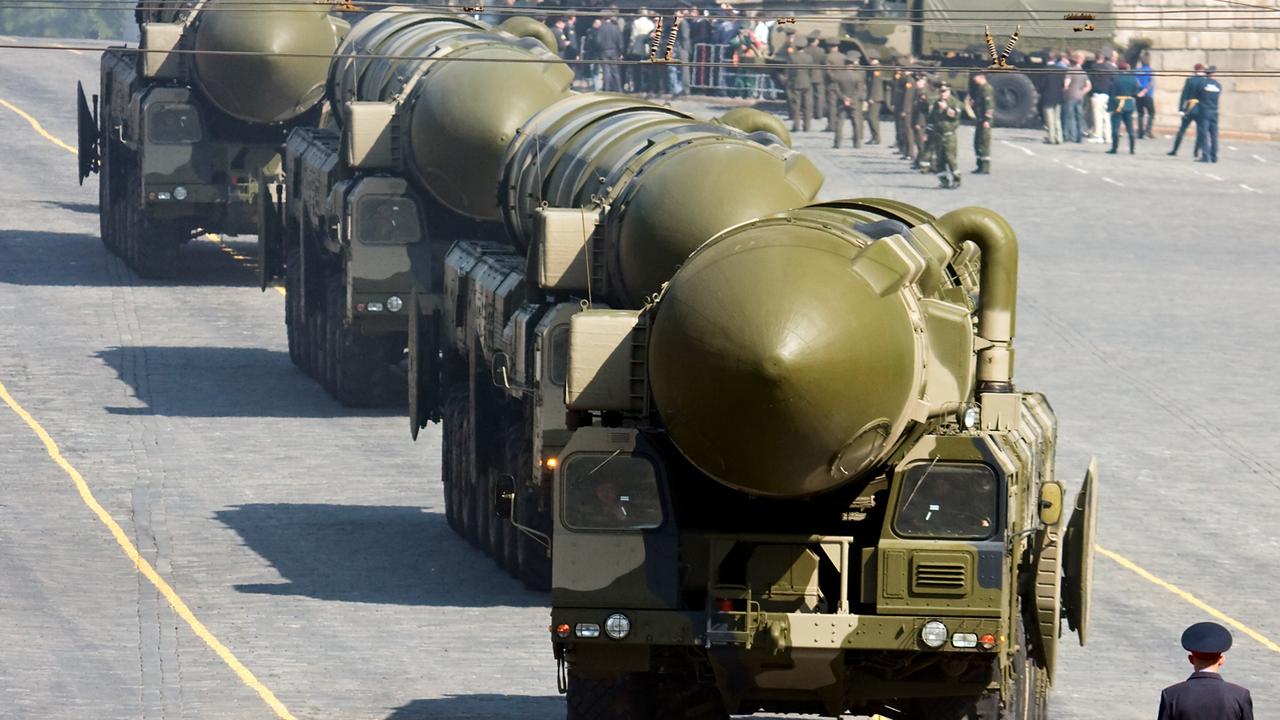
454	402
293	307
497	526
108	196
153	246
685	697
359	364
1016	98
627	697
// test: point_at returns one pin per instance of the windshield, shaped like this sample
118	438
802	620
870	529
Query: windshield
948	501
610	492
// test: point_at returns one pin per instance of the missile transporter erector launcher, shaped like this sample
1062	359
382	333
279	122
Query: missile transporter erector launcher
190	122
802	480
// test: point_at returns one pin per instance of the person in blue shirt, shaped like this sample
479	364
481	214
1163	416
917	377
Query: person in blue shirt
1209	94
1146	98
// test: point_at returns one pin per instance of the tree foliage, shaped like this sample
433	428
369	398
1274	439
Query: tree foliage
69	23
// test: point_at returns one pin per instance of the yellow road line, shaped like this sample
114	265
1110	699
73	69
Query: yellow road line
141	564
237	256
35	125
1133	567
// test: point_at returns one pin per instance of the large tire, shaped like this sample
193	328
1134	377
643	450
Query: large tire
1016	98
360	369
108	195
151	248
454	403
628	697
293	321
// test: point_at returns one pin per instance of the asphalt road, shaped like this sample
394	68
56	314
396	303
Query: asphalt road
310	540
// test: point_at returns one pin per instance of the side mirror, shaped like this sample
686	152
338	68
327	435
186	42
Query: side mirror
1051	503
499	371
504	497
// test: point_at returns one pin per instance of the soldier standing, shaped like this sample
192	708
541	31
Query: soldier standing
1205	694
903	98
920	122
834	61
817	78
851	89
983	99
1187	109
1124	88
875	99
944	116
797	82
1209	94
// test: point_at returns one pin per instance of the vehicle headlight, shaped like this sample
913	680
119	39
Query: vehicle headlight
587	630
934	634
179	193
617	626
394	303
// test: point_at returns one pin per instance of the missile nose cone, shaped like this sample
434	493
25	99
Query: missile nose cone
776	369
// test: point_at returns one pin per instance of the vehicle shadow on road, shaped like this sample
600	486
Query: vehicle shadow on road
483	707
63	259
88	208
223	382
394	555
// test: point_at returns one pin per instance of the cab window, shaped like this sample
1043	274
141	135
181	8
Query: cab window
173	124
610	492
388	220
941	500
560	355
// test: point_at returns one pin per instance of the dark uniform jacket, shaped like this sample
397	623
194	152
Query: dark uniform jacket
1190	93
1205	696
846	78
1124	88
1208	94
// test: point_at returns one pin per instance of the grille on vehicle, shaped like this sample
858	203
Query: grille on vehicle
926	577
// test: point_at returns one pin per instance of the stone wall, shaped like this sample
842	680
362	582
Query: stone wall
1242	39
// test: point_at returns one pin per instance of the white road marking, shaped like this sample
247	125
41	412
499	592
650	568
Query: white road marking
1259	158
1025	150
1082	171
1113	182
1253	190
1211	176
1232	147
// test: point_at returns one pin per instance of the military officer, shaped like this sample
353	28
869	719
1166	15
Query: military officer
851	92
834	60
1205	694
817	78
982	97
920	122
875	99
1209	95
798	101
903	99
944	116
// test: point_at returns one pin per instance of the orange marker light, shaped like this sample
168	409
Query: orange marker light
987	641
563	630
551	463
726	605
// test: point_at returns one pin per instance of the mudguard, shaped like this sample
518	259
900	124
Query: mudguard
1078	544
87	135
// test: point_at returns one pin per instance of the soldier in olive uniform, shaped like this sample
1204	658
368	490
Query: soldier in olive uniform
944	115
851	92
798	100
982	97
904	101
833	60
817	78
875	99
923	99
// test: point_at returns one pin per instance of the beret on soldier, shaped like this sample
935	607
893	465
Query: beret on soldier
1208	638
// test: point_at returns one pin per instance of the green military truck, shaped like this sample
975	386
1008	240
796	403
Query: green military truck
802	480
187	123
368	205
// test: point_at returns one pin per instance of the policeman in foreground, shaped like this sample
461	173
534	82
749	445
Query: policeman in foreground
944	116
1205	695
982	97
1209	94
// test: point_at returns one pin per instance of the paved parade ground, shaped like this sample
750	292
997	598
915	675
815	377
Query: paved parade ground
190	528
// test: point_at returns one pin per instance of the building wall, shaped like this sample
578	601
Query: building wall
1240	40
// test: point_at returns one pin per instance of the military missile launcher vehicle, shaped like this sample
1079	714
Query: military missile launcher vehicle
186	125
